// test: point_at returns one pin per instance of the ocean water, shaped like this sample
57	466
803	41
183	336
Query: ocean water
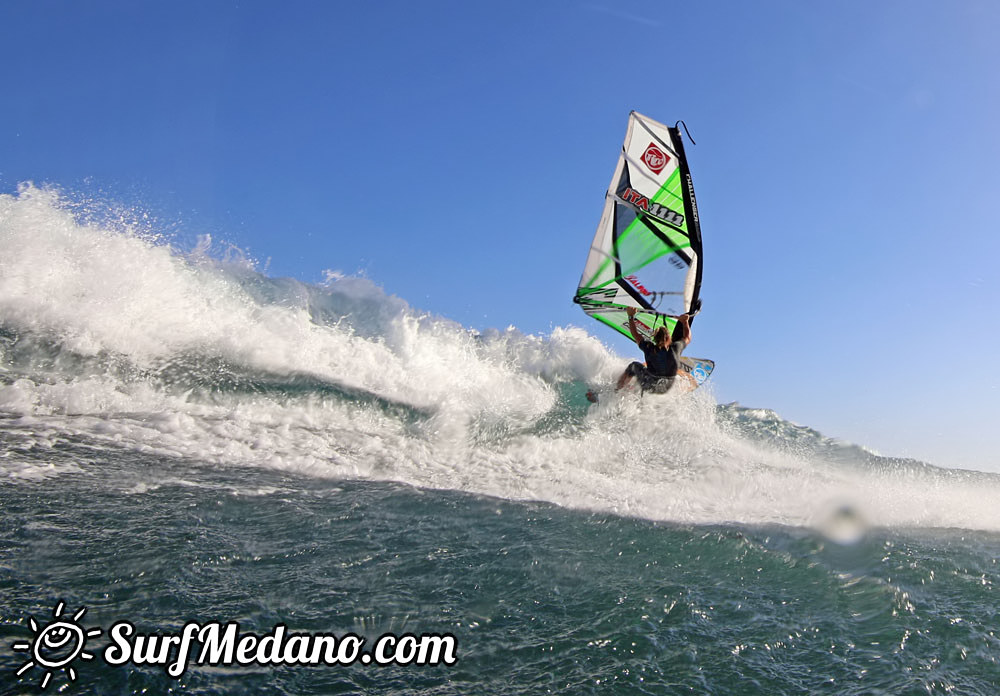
184	439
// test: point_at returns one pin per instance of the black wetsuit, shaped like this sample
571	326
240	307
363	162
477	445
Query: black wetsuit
657	375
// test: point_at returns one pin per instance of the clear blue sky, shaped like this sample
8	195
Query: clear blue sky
457	153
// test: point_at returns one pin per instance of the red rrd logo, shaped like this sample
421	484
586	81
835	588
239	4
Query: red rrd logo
655	158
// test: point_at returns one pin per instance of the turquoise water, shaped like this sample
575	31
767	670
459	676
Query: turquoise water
186	440
541	599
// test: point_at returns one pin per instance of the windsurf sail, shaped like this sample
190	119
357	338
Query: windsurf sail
647	250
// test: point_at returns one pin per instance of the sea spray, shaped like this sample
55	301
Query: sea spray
187	442
111	334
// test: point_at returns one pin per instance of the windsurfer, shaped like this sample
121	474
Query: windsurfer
663	355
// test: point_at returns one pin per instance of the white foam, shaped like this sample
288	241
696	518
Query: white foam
98	291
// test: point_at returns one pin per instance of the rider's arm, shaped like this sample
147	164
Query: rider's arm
631	324
685	321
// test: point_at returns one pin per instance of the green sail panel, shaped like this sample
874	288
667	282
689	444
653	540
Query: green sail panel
646	252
